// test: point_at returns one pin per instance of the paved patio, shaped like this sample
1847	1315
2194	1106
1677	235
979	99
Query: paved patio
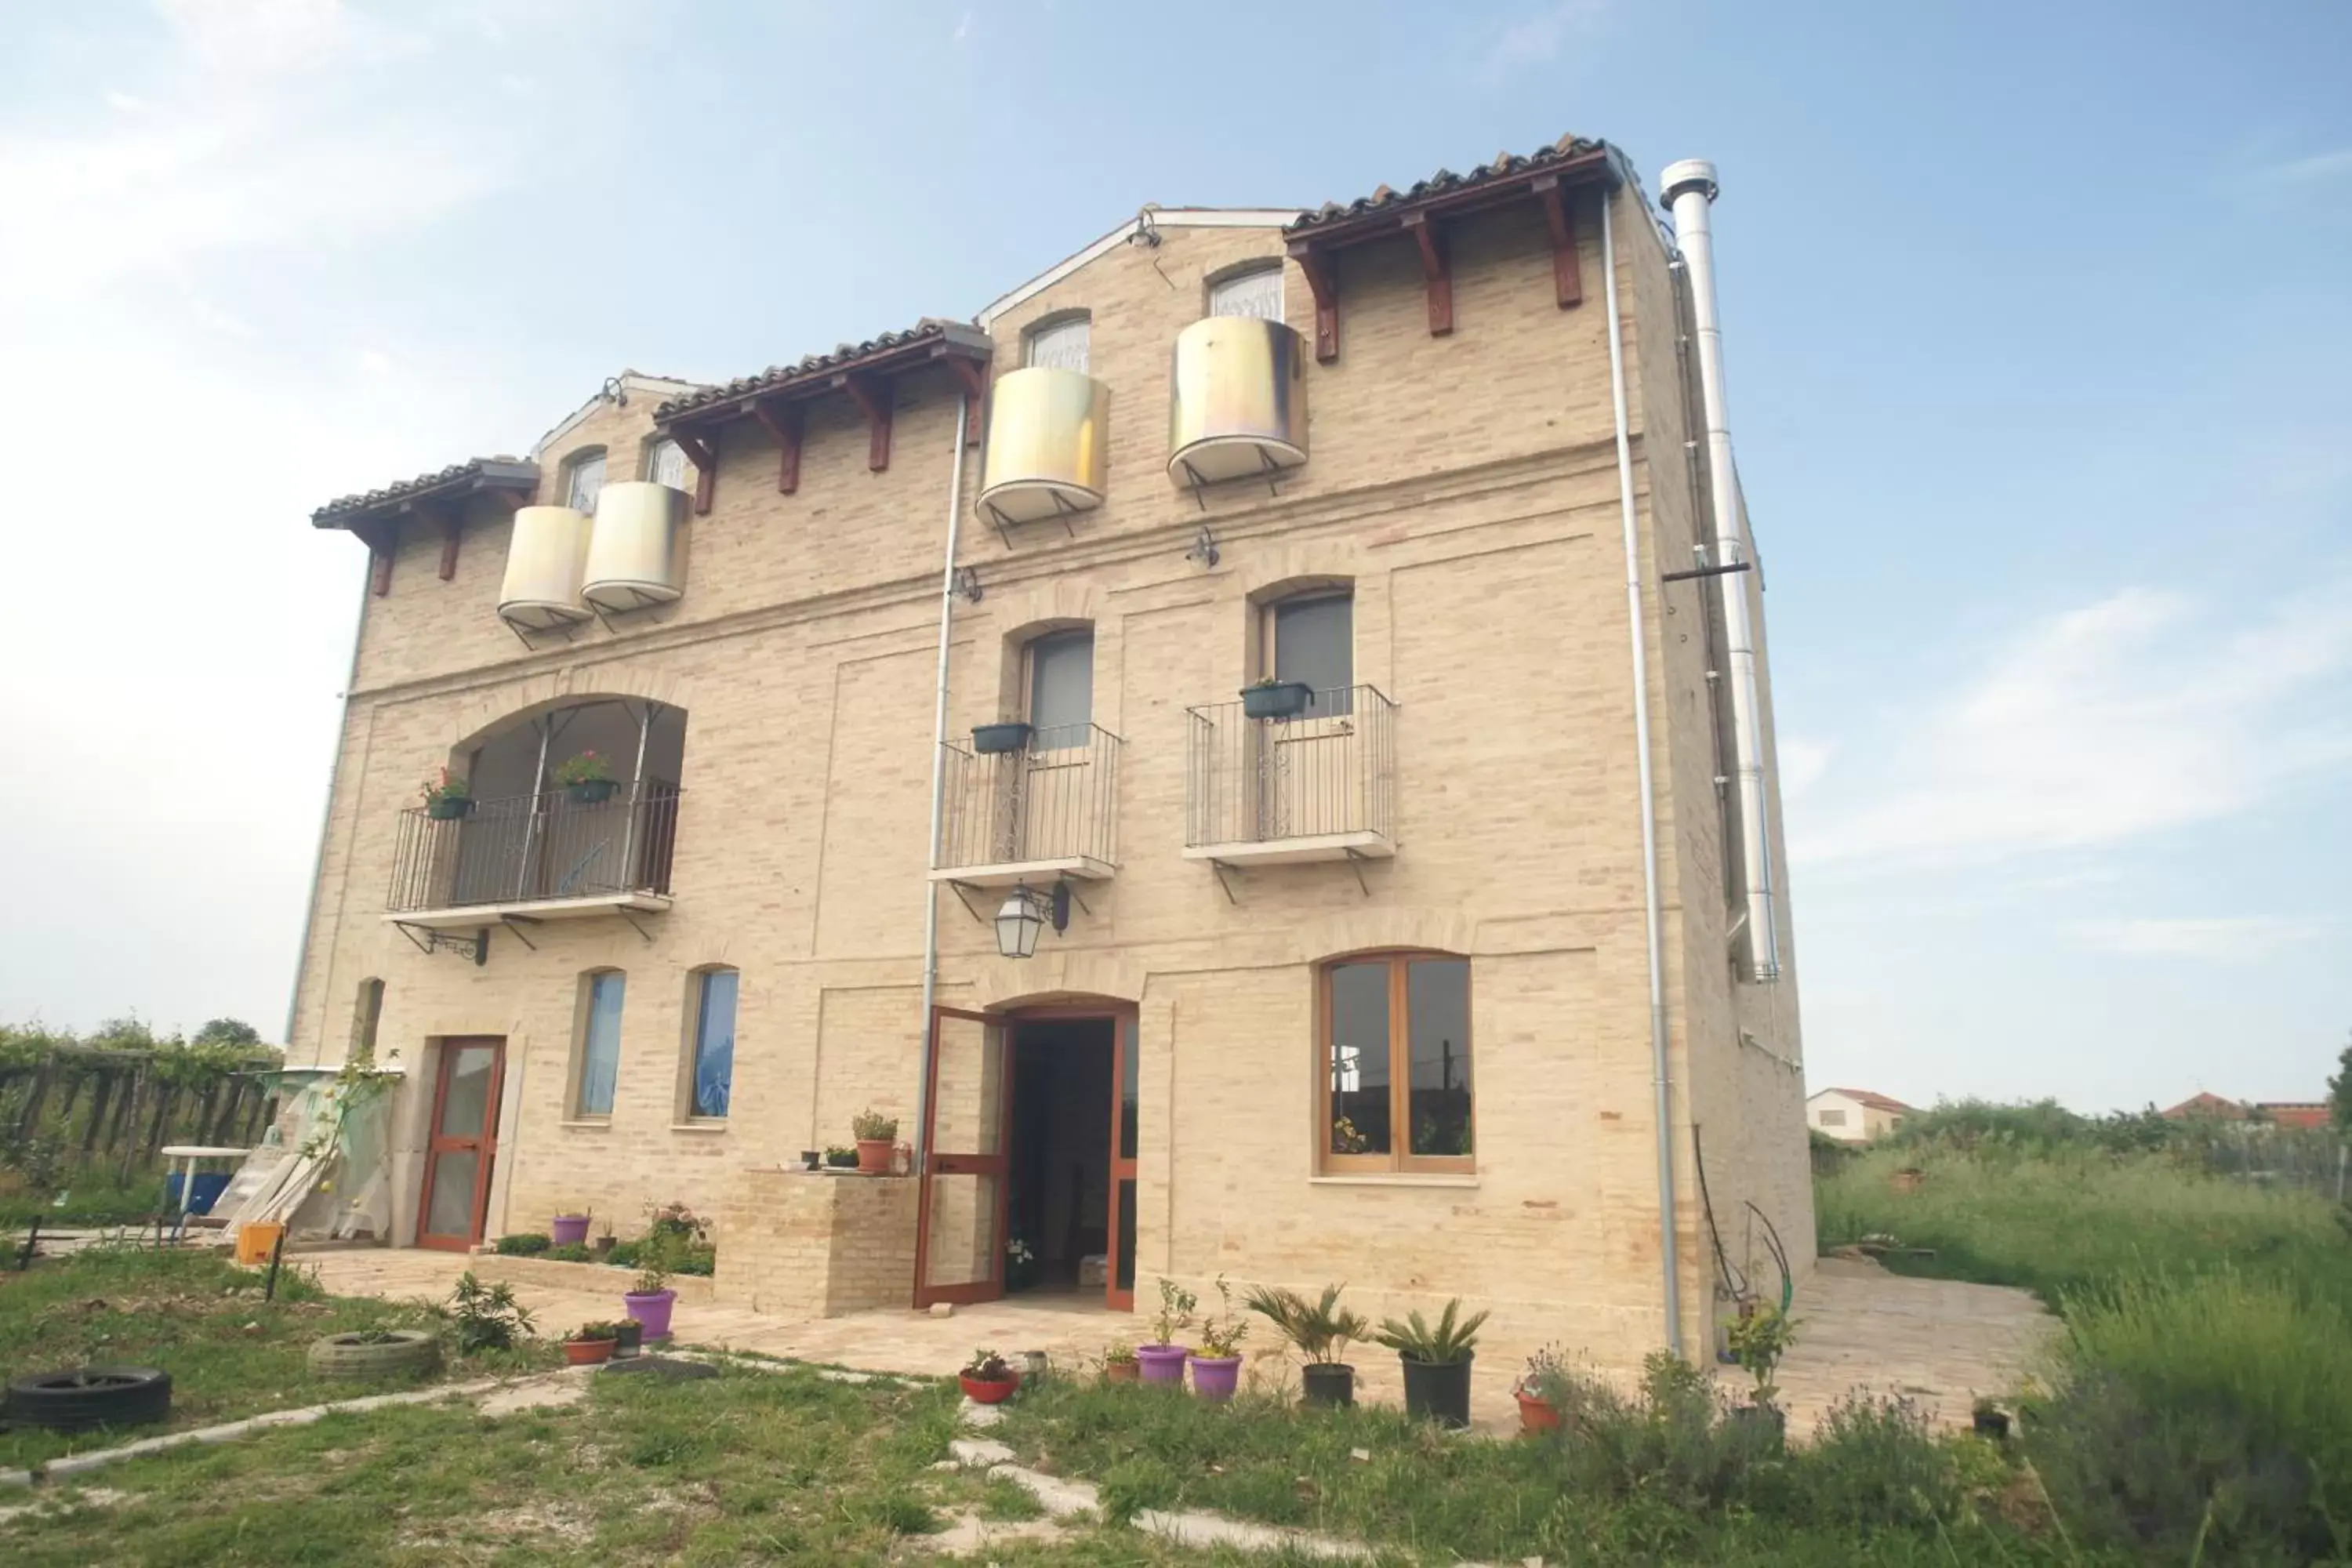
1939	1342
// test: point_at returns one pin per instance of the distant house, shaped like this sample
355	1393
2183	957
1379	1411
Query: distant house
1854	1115
2298	1113
2205	1104
2294	1112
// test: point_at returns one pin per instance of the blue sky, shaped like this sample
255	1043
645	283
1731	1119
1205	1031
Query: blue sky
2036	323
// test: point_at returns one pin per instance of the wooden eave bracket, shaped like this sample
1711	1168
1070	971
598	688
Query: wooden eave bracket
973	376
702	451
1323	282
872	394
787	421
1437	275
437	513
1567	280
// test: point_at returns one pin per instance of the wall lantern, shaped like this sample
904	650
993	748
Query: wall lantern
1025	914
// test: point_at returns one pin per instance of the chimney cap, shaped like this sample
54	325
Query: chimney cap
1691	174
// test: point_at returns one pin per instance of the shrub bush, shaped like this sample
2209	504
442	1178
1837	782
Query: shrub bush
528	1244
571	1252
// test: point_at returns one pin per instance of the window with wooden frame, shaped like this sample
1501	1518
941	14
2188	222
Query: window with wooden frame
1394	1064
584	478
1311	638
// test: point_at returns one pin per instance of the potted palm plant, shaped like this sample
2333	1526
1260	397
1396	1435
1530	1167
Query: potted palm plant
1542	1392
649	1298
988	1378
1758	1340
1162	1360
448	799
589	1344
875	1133
1272	698
1320	1333
587	779
1004	736
1217	1364
1437	1361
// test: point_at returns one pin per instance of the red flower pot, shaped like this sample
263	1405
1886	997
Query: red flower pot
587	1352
982	1391
1535	1415
873	1156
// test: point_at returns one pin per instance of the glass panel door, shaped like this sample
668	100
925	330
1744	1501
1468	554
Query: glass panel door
461	1151
1119	1293
959	1213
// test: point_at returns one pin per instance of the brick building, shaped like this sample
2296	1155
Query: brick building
1243	611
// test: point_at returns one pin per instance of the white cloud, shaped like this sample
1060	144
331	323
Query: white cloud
964	27
1538	37
2225	941
2141	712
2317	166
126	103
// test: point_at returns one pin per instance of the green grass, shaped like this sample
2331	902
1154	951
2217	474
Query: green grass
94	1198
197	1317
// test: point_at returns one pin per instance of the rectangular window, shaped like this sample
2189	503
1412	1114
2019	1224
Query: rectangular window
714	1043
666	465
1832	1118
587	482
1257	292
1313	640
1396	1056
600	1044
1062	345
1061	689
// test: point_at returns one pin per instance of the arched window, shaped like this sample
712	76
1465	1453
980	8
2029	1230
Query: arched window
1254	290
710	1042
596	1048
1311	638
367	1011
1061	342
1394	1091
666	464
584	478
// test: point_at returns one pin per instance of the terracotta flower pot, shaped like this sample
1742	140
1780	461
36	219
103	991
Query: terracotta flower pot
982	1391
873	1156
1121	1372
1537	1416
587	1352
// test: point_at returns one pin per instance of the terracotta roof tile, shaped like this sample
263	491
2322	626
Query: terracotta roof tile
500	472
777	376
1446	182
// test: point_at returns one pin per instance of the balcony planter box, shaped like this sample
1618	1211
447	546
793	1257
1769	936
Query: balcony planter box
1278	700
995	740
448	808
1440	1389
592	791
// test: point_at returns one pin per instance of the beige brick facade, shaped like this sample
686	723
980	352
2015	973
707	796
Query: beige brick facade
1466	485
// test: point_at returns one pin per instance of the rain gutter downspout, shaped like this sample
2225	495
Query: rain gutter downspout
1654	923
938	794
326	816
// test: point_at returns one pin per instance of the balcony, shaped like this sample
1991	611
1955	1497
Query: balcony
1320	786
1237	401
1046	811
536	857
1047	446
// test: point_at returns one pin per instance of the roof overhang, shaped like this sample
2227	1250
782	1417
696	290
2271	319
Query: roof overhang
376	515
951	343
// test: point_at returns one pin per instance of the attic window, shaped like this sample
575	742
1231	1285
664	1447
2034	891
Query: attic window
583	479
666	465
1061	345
1252	291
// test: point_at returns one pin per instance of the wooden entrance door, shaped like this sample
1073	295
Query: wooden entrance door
960	1207
463	1144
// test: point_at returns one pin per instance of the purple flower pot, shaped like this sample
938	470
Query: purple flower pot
1214	1377
567	1230
651	1311
1162	1363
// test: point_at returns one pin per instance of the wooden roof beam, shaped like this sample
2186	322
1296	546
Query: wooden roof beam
1323	282
1567	280
703	453
874	398
786	419
1437	274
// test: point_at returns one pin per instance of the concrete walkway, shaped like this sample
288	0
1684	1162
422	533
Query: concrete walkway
1937	1341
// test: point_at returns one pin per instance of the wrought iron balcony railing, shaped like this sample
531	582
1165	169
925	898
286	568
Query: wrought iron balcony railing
544	847
1320	785
1048	807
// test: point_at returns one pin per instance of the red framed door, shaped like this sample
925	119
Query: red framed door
1119	1291
463	1144
960	1207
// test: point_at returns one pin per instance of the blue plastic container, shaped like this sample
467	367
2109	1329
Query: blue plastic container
210	1185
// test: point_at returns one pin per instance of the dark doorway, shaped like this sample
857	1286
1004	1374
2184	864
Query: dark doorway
1059	1213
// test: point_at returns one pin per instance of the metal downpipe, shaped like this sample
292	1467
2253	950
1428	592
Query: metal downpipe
1654	921
938	791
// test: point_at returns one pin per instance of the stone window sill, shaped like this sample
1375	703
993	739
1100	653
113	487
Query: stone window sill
1400	1179
595	1123
713	1124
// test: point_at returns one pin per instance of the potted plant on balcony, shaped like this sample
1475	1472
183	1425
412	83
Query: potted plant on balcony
587	779
841	1157
649	1298
1217	1364
988	1378
875	1133
1164	1360
1272	698
1758	1340
447	800
1004	736
1437	1361
590	1343
1320	1333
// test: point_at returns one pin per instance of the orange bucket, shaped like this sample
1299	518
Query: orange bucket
255	1242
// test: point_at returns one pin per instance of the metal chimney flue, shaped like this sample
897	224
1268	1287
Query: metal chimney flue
1688	190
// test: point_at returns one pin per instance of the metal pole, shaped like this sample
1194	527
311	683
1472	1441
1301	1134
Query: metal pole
939	795
637	802
1654	921
546	727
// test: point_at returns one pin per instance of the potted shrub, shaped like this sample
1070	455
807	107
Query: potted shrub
1542	1392
1272	698
448	800
1988	1420
1320	1333
628	1339
1004	736
1119	1363
875	1133
1217	1364
649	1298
606	1242
587	779
988	1378
841	1157
811	1159
1758	1340
590	1343
567	1229
1437	1361
1162	1360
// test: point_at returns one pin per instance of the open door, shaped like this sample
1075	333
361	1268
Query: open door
462	1147
1119	1292
960	1212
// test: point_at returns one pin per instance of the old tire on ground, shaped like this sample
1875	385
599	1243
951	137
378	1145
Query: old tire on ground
354	1355
89	1396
